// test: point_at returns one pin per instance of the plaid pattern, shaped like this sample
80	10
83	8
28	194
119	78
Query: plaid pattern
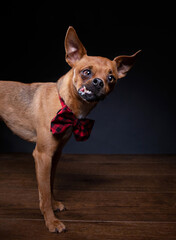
65	119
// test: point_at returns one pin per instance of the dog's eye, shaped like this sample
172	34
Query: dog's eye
86	72
111	78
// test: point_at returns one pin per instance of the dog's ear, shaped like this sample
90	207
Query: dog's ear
124	63
73	47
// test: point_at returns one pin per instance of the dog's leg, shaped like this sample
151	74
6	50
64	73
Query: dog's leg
43	163
57	206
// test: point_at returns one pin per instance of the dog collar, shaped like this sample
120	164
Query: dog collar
65	119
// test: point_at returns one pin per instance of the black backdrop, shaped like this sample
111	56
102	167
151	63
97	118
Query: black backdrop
140	115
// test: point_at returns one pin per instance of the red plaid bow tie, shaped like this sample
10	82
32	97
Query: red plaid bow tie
65	119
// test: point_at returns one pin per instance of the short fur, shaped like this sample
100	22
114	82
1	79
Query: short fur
28	109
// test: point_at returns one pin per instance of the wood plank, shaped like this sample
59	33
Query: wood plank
120	158
19	229
116	183
117	168
91	205
166	183
94	158
118	165
18	180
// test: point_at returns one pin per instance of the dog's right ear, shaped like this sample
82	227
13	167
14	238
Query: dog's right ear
73	47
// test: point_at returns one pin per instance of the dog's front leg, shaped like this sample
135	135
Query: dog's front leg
43	164
57	206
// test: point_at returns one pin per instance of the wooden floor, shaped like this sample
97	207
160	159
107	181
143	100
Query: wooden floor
122	197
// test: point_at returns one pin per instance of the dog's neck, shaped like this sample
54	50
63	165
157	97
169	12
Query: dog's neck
68	93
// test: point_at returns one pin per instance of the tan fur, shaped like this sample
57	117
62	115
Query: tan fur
28	109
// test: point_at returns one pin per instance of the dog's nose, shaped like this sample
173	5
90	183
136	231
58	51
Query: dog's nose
97	82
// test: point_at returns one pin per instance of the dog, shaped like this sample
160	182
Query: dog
48	113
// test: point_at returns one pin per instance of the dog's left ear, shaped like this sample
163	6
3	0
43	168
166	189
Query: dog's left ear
124	63
73	47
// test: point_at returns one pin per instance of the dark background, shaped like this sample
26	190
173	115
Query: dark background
140	115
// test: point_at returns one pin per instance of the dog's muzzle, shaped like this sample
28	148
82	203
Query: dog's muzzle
92	91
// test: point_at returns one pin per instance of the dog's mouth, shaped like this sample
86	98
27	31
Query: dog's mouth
89	95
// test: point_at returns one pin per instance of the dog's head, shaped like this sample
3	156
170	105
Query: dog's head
94	77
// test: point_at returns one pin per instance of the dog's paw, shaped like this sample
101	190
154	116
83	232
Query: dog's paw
55	226
58	206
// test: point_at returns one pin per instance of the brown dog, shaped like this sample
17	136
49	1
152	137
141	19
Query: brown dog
28	109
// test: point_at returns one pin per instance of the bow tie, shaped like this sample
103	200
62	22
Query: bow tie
65	119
